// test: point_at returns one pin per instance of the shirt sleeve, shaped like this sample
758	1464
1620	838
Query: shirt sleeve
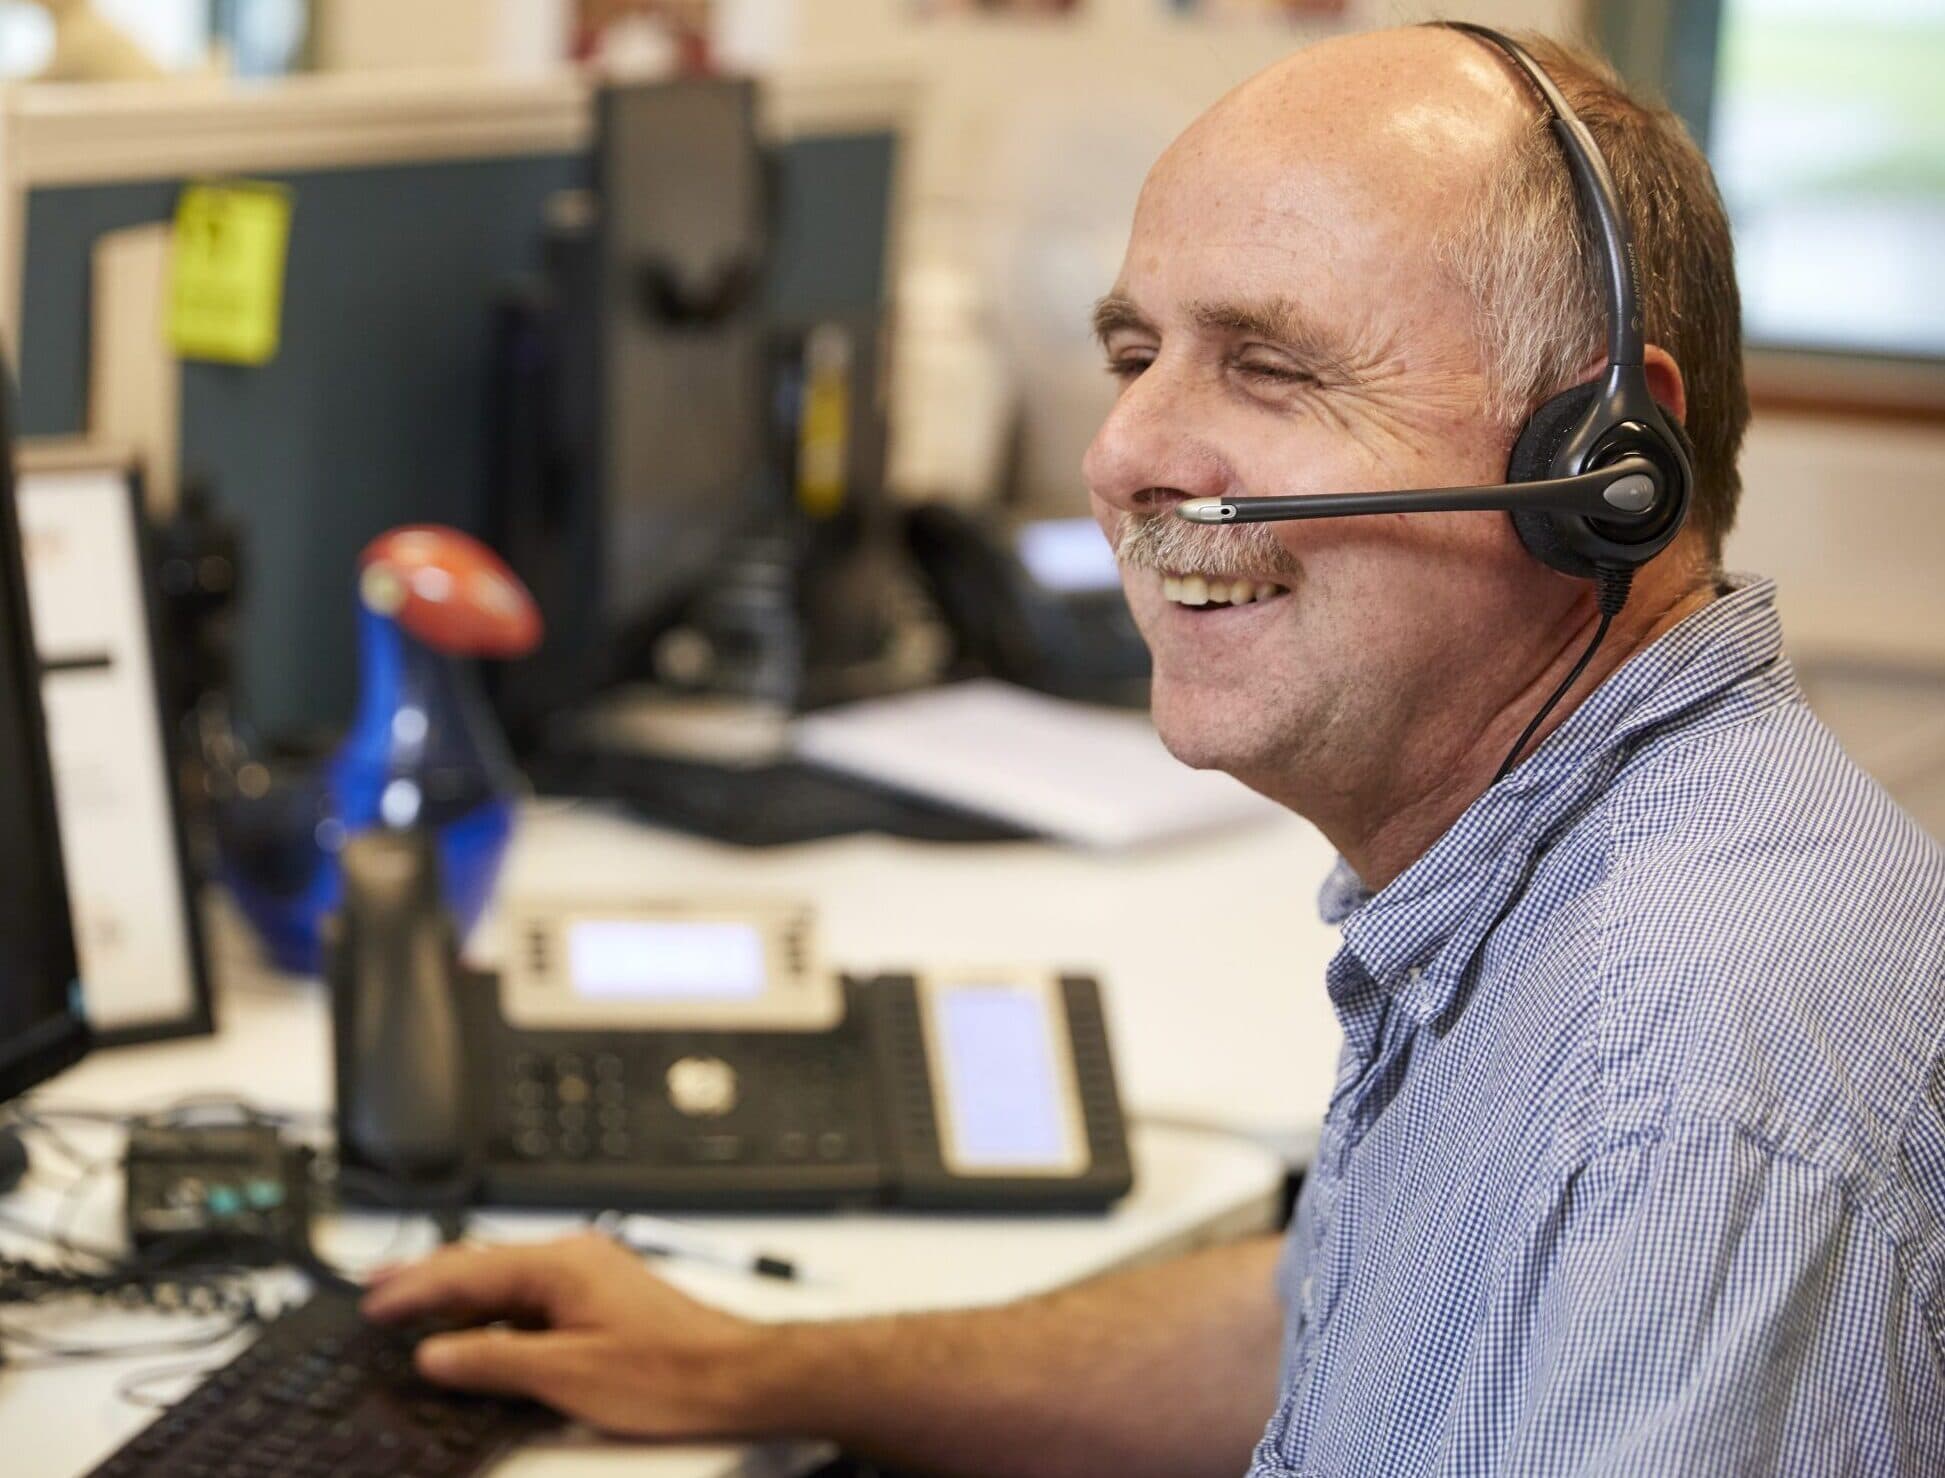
1701	1303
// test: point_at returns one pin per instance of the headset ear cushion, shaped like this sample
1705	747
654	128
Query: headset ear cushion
1533	456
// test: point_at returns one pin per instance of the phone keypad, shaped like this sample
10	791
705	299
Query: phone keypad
790	1102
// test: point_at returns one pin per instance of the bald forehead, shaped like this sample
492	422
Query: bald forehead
1417	110
1316	192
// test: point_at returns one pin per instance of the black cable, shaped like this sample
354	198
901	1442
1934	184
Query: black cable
47	1353
67	1210
153	1279
27	1118
60	1241
180	1271
179	1111
205	1272
132	1388
1612	584
382	1188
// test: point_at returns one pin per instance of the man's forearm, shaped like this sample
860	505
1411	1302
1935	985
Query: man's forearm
1166	1370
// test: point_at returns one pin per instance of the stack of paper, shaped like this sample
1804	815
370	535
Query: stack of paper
1094	776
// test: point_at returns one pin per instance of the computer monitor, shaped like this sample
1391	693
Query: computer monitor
648	386
42	1028
679	334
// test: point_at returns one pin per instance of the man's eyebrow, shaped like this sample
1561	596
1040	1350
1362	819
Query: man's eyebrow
1114	313
1281	322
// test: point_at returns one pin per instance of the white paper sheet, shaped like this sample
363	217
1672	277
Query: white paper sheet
1093	776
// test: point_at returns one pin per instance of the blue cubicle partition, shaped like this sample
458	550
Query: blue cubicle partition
374	411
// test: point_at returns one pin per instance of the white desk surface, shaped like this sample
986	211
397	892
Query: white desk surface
1209	949
1192	1187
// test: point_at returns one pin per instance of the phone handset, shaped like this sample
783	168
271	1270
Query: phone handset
393	967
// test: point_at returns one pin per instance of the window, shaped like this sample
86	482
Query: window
174	32
1827	132
26	40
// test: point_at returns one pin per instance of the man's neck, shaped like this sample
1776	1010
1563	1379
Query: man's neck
1380	840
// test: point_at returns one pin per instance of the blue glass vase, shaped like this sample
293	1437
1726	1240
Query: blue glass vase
423	749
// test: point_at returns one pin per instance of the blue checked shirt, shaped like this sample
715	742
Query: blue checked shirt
1636	1158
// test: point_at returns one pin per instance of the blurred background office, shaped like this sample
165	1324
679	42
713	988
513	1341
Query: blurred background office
1024	132
615	465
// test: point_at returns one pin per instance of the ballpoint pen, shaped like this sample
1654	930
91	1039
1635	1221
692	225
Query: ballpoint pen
651	1235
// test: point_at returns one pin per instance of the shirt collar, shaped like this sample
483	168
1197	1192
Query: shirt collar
1412	940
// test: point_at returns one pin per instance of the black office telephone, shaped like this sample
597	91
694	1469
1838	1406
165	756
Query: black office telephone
1037	603
684	1054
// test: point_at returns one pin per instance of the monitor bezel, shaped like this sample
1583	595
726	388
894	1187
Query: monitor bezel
60	1042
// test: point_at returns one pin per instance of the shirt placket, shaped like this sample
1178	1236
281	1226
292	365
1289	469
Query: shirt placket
1363	1010
1377	1040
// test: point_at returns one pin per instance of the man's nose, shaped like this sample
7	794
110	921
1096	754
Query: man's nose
1149	454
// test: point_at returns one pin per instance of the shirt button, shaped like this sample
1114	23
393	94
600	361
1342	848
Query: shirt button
1303	1293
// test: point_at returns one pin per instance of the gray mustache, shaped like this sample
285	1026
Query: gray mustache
1165	542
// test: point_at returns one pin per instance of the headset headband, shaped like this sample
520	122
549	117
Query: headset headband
1597	193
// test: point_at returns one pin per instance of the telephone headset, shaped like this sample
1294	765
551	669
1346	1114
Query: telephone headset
1599	479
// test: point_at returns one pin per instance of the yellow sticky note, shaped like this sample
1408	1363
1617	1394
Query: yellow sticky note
226	301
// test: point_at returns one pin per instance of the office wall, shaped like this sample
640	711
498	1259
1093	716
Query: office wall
1849	516
517	35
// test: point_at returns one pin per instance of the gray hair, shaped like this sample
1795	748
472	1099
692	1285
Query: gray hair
1530	264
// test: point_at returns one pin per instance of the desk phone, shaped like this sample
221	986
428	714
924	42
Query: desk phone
657	1054
676	1053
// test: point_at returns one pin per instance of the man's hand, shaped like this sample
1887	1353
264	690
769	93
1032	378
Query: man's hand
1159	1372
597	1336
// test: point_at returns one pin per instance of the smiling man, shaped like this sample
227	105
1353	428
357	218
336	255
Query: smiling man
1636	1160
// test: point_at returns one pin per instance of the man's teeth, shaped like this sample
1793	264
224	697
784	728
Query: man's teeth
1200	590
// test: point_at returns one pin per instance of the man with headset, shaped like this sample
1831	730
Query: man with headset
1636	1160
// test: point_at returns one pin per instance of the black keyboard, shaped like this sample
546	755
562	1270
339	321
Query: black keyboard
323	1394
757	806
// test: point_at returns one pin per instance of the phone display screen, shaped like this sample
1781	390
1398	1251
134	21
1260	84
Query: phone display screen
665	960
1005	1093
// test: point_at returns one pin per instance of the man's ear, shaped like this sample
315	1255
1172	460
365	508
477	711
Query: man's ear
1665	382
